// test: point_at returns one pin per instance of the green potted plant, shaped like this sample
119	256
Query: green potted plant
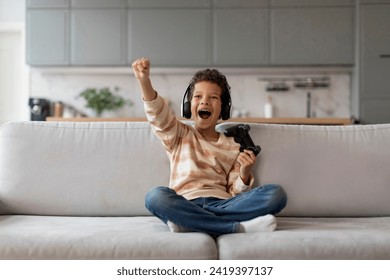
103	99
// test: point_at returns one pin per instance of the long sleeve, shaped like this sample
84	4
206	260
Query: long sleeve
165	125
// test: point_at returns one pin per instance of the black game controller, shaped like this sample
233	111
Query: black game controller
240	132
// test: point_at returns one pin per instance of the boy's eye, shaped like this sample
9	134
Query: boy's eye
198	96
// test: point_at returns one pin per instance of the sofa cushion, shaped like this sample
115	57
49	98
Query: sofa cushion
49	237
105	169
326	170
312	238
85	169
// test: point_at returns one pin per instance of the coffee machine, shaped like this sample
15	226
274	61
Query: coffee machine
40	108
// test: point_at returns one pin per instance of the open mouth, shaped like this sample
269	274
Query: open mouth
204	114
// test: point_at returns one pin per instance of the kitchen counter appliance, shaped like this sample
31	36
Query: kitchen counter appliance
40	108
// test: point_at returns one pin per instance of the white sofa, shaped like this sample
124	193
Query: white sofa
76	191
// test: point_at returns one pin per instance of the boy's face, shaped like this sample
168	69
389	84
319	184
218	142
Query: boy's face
206	104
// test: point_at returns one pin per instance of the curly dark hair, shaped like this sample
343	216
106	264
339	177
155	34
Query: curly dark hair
213	76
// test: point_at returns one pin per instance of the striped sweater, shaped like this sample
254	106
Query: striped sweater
199	168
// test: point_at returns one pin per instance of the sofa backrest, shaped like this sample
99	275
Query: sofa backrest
91	169
105	169
326	170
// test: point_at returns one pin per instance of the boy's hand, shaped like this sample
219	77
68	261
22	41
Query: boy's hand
247	160
141	68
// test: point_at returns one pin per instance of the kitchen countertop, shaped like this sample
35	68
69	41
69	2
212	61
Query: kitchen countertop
307	121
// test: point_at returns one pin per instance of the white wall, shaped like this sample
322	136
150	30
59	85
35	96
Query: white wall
247	88
14	72
12	10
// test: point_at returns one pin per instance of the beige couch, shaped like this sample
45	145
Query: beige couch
76	191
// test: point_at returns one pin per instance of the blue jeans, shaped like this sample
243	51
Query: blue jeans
213	215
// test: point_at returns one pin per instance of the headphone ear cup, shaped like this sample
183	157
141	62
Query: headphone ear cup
186	104
186	110
225	114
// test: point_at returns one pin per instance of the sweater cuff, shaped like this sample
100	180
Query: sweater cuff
153	108
241	186
153	105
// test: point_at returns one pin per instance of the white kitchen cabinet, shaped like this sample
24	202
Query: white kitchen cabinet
170	37
47	37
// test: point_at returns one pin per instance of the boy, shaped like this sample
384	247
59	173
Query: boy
210	187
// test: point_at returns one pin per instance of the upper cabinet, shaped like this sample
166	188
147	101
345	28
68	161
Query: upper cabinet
190	33
170	37
47	38
47	3
311	3
307	33
240	34
77	32
98	3
98	37
167	4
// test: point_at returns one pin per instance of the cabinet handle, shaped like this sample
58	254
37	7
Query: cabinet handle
384	55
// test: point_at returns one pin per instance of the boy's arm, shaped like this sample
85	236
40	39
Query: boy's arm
240	178
247	160
165	125
141	68
235	184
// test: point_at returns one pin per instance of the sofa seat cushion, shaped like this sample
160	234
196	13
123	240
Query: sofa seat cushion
55	237
312	238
